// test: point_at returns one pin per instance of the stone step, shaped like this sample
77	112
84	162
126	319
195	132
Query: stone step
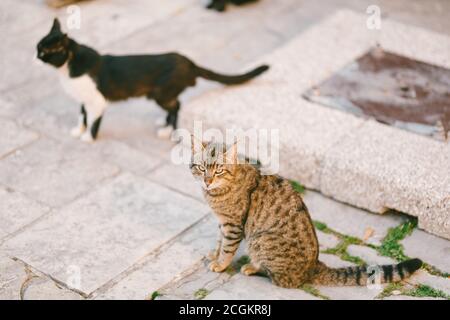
354	160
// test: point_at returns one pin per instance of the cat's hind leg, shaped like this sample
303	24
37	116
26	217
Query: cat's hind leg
250	269
172	107
80	128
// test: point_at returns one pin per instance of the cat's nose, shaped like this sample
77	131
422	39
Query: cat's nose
208	181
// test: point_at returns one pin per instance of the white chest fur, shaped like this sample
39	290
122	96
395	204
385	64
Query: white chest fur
83	89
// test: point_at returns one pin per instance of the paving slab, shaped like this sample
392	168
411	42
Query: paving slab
380	167
326	241
67	169
105	232
436	282
11	278
165	265
334	261
369	255
14	137
194	279
184	182
17	211
241	287
429	248
126	157
350	220
401	297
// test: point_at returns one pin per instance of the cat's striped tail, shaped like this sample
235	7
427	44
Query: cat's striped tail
230	79
363	275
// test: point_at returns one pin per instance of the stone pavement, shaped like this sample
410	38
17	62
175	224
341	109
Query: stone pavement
116	219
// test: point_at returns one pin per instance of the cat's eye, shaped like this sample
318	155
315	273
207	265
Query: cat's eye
219	171
201	168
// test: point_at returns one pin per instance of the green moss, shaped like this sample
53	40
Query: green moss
391	287
297	186
201	293
313	291
341	250
230	270
420	290
320	226
154	295
242	261
427	291
435	271
390	245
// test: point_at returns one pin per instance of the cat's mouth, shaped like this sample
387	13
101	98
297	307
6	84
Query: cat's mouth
216	190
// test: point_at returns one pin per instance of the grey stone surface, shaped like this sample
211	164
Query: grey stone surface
108	236
196	278
334	261
166	264
326	241
17	211
12	276
401	297
345	293
126	157
349	220
431	249
241	287
40	288
184	181
369	255
436	282
389	169
14	137
66	169
107	231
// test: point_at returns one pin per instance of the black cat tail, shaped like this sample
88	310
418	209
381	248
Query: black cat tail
228	79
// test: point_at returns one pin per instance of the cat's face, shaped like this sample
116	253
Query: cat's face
53	48
213	164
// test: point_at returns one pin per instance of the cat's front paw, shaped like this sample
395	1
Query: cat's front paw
165	132
77	131
160	122
216	266
87	137
248	269
213	255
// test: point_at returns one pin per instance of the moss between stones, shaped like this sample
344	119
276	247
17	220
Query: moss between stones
154	295
420	290
341	249
390	246
201	293
313	291
426	291
297	186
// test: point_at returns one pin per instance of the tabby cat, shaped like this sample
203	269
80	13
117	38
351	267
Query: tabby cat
271	216
95	80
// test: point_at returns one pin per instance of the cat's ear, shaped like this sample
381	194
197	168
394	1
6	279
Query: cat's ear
56	27
231	154
196	145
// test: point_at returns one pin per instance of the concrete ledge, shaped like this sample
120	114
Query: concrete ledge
354	160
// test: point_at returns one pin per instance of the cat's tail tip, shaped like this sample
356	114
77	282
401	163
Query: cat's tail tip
263	68
411	265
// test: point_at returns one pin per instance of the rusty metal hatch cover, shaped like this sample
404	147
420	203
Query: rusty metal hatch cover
394	90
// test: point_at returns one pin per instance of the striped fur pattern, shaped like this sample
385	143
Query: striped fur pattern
271	216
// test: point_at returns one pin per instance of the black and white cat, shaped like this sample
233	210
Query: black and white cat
96	80
220	5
